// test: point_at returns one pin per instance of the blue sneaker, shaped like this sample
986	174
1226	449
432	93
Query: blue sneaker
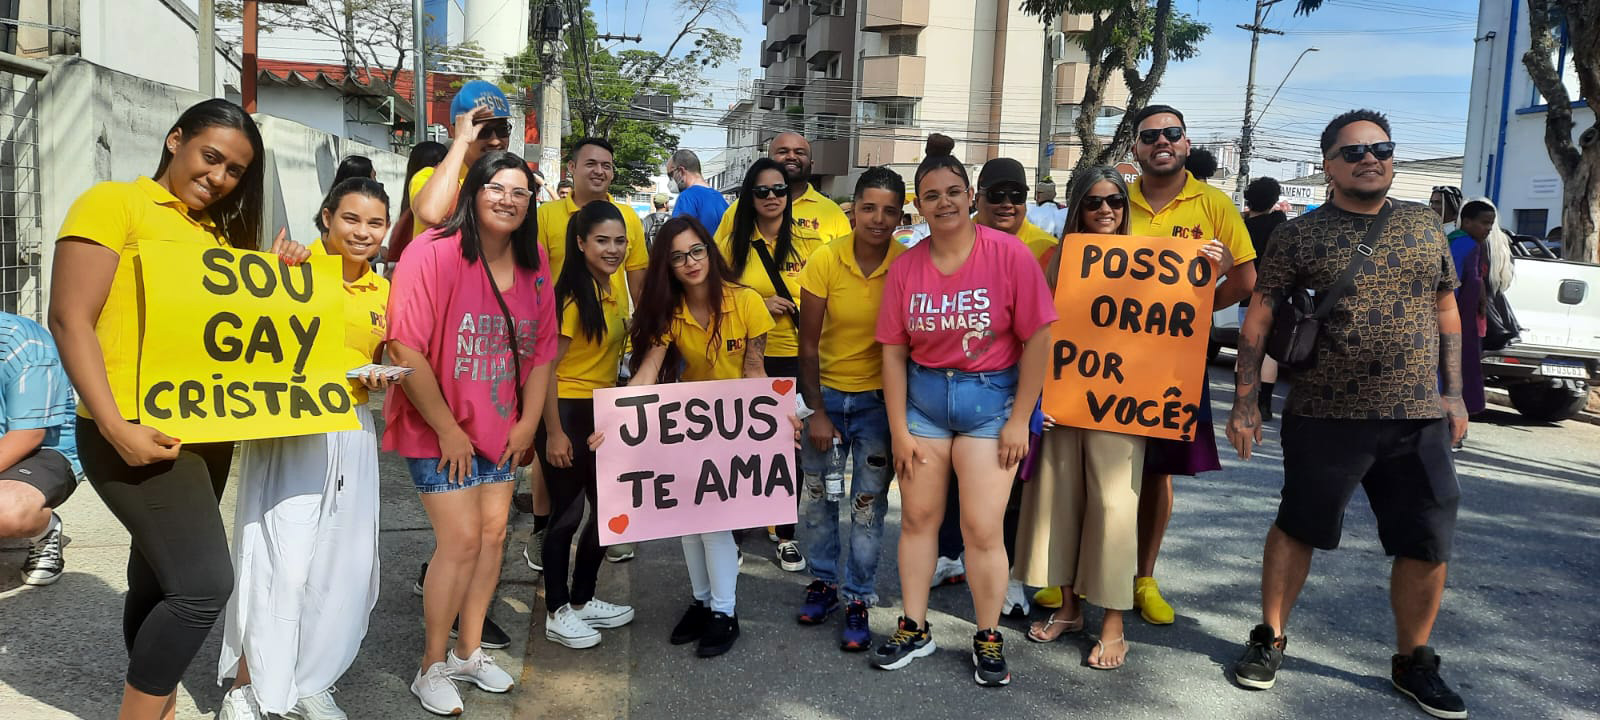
856	636
821	599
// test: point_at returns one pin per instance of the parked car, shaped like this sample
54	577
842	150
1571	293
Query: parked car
1549	370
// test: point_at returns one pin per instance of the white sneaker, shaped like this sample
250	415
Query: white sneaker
1016	600
567	628
316	707
434	689
949	572
480	670
603	615
240	704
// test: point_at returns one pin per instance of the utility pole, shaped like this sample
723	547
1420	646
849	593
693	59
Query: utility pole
419	71
1047	103
1256	31
546	29
208	48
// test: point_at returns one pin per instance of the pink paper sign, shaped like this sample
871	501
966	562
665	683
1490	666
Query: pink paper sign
686	458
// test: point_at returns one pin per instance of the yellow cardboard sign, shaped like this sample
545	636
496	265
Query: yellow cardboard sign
238	345
1128	350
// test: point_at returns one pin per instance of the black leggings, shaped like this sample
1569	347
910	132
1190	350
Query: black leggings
180	571
568	488
785	367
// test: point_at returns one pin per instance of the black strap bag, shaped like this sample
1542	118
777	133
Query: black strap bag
1297	320
776	278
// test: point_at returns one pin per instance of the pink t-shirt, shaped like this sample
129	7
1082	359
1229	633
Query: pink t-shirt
975	320
443	306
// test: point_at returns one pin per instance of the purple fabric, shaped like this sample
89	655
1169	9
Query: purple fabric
1469	303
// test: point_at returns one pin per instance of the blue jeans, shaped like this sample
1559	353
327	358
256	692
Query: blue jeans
428	478
863	426
943	403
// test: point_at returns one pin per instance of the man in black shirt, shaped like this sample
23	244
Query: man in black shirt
1261	219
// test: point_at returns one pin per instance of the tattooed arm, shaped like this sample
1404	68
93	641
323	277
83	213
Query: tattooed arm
1244	425
1450	365
755	353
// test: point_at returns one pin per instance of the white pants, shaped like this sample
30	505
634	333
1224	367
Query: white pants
713	560
305	561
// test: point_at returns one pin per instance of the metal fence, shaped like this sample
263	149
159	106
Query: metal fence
21	231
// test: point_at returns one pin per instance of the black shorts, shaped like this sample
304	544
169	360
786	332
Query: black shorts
48	471
1404	465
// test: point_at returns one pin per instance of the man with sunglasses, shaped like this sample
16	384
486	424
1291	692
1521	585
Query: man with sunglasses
1380	408
482	124
1167	201
1002	204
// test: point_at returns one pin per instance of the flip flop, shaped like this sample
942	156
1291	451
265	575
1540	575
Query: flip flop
1102	645
1043	633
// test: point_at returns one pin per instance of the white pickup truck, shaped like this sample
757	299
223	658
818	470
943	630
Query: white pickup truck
1548	371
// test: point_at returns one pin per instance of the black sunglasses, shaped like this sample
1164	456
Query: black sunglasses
1172	134
1354	153
1093	202
998	196
765	191
494	128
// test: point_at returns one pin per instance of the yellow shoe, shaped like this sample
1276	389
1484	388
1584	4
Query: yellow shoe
1049	597
1147	597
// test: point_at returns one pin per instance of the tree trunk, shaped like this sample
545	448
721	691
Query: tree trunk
1580	202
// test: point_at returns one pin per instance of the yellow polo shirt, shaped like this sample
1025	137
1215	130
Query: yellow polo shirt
852	359
744	316
1200	212
366	316
553	219
591	364
784	340
1037	240
120	216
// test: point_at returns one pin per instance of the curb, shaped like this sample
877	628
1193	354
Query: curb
1496	396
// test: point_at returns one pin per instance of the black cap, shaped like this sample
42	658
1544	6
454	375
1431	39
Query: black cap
1000	171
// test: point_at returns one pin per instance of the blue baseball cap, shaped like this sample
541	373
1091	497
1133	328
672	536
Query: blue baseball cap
480	92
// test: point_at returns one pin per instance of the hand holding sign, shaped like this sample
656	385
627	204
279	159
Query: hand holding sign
690	458
1127	354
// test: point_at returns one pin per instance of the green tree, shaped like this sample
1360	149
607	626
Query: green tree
1578	163
1123	35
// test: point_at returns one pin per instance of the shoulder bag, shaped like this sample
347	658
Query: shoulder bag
1297	320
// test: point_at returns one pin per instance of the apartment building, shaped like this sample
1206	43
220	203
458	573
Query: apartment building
868	80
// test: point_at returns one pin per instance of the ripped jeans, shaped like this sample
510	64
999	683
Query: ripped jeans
863	424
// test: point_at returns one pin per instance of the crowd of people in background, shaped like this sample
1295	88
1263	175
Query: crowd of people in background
547	297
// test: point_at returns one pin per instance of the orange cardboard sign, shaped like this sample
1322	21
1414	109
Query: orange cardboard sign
1128	351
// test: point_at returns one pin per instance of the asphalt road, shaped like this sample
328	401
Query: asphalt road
1518	633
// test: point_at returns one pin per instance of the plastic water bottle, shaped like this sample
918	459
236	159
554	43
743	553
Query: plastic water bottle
833	481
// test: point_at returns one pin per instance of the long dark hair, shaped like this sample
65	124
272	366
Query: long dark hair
424	154
1082	181
577	284
744	220
237	214
355	185
663	294
524	240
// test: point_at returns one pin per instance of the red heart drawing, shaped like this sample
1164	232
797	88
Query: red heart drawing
618	524
782	386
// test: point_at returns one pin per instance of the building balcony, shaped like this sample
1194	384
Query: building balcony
891	76
1073	77
885	15
787	75
829	37
899	146
830	153
790	25
828	96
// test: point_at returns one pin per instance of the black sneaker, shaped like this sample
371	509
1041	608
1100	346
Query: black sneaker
492	637
1417	677
821	599
908	643
989	659
693	624
721	632
45	563
416	588
1257	669
856	636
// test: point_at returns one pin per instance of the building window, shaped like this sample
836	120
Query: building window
1532	222
1568	72
903	44
835	69
889	113
826	127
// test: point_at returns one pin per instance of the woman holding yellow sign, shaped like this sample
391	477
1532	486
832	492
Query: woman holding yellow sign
207	190
306	524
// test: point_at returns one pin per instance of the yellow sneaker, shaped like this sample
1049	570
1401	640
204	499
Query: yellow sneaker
1049	597
1147	597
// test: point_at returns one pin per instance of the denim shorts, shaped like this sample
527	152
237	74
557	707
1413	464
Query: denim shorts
947	403
428	478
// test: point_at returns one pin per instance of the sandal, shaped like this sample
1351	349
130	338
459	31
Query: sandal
1046	633
1101	645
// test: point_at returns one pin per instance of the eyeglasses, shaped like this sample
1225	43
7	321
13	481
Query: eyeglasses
1355	153
1093	202
695	253
998	196
765	191
495	128
498	192
1172	134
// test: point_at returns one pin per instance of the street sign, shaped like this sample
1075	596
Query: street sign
1049	149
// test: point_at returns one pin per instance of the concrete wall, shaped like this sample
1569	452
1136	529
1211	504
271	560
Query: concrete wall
321	109
1505	152
97	124
154	39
